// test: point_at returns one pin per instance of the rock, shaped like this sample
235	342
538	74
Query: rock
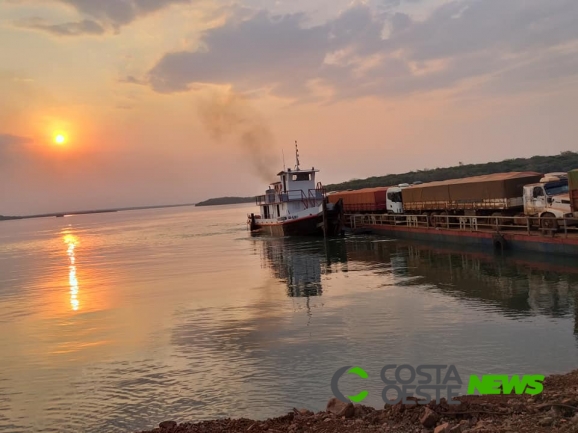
305	412
479	427
456	429
546	421
444	428
341	409
360	411
429	418
168	424
397	408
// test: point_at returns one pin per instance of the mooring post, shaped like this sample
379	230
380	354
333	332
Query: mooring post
325	223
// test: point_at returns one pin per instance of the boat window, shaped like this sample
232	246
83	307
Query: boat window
278	211
301	176
558	187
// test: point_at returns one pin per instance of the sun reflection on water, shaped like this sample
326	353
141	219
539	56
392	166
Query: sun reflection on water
72	242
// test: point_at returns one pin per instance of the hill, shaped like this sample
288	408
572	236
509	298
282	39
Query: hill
226	200
565	161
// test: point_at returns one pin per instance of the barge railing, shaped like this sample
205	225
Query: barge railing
531	225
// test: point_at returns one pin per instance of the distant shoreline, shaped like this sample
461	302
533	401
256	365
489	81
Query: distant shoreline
211	202
226	200
88	212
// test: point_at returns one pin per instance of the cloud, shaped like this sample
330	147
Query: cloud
9	139
120	12
393	4
85	27
461	40
267	51
132	80
104	15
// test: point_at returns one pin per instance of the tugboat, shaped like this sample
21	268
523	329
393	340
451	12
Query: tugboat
297	206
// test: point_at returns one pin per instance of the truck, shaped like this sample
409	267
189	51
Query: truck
545	198
386	199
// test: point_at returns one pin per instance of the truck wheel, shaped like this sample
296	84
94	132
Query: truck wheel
433	219
426	219
443	220
549	221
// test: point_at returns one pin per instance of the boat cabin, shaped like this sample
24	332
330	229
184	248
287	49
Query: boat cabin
295	192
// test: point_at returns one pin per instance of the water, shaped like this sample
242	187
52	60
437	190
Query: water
115	322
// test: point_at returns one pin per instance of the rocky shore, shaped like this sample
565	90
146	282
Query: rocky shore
554	410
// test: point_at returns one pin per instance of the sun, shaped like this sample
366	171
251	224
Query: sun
60	139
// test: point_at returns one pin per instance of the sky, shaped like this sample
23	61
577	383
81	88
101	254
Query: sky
116	103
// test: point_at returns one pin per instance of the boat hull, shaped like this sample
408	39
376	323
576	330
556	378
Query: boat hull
310	226
306	226
514	241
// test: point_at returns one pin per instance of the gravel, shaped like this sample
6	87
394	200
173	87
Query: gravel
554	410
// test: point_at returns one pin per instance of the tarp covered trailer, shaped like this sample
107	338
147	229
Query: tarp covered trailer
499	191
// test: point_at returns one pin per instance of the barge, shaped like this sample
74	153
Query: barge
525	211
495	232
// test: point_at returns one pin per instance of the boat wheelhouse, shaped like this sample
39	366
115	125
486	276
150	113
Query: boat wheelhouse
296	205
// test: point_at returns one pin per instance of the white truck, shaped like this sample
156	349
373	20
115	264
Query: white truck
548	199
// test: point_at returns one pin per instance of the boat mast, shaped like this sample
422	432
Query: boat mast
296	156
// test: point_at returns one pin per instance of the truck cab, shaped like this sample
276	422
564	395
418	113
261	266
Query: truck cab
394	203
548	199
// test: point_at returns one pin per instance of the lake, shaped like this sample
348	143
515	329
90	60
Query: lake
116	322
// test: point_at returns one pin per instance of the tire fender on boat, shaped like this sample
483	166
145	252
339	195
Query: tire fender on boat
499	242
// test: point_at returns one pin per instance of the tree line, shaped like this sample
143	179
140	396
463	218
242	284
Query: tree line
563	162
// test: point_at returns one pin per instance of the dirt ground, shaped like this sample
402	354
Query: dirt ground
554	410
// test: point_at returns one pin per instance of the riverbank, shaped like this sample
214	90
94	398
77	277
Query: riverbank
220	201
554	410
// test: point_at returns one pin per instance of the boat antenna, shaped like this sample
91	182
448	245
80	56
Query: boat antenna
296	156
283	153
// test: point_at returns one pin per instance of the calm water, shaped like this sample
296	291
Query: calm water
115	322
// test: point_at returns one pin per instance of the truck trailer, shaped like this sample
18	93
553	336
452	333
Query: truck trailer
479	195
362	200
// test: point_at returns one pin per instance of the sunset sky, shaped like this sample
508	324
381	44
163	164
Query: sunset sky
141	102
